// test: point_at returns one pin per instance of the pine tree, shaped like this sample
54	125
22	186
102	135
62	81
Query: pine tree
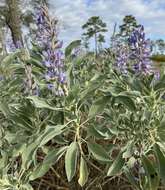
160	45
94	27
13	20
129	24
101	40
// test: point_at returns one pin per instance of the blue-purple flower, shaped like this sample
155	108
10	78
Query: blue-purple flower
135	53
122	57
53	57
140	51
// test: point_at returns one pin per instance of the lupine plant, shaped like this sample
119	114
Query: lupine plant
134	52
95	127
52	56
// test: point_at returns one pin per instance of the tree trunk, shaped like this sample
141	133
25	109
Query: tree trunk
96	44
13	21
2	44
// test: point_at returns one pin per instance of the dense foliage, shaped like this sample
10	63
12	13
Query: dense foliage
79	121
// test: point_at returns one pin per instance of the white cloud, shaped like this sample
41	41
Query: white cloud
73	14
2	2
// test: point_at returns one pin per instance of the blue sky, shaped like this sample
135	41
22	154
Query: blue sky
72	14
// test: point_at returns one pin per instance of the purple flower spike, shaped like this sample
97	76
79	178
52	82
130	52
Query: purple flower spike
136	52
53	57
140	50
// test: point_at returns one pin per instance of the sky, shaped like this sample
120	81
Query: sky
72	14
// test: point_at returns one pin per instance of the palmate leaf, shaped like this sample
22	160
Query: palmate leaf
71	160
